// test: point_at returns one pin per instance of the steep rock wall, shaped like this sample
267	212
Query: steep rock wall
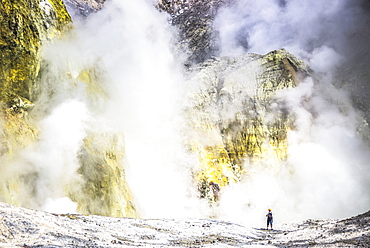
28	84
194	19
233	112
24	26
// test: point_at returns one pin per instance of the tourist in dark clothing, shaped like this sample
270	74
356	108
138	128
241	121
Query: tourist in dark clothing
269	219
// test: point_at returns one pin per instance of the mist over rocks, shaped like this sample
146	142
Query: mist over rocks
331	37
243	125
194	19
325	167
36	127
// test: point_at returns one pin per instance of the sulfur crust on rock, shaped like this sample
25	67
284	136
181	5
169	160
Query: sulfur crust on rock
27	25
104	190
24	26
244	131
23	29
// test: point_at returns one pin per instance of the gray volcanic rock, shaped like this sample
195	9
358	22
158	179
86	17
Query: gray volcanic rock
84	7
194	20
22	227
351	232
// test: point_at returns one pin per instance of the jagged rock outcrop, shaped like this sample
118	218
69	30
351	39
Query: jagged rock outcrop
29	86
194	19
235	113
85	7
105	190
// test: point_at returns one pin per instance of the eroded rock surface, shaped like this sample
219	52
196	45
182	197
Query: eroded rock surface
194	20
30	84
85	7
25	26
235	117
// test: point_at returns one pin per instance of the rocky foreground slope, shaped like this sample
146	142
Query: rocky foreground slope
22	227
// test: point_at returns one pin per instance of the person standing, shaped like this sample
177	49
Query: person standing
269	218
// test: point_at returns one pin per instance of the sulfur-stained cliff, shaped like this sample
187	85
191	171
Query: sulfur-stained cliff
234	122
25	25
28	85
232	109
237	116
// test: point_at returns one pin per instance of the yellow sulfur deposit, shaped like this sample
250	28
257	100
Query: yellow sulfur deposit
101	188
234	116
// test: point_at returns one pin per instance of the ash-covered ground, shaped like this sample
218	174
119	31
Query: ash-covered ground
22	227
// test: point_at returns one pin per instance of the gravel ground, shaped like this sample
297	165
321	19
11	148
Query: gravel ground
22	227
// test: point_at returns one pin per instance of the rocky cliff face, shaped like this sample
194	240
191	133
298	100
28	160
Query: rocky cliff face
25	25
235	136
232	110
29	86
85	7
235	117
241	123
194	19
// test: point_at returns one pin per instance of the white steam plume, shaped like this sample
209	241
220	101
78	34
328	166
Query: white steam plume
50	164
317	31
140	97
326	174
134	42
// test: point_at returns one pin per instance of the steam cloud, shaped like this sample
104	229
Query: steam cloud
321	33
134	43
315	182
326	174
